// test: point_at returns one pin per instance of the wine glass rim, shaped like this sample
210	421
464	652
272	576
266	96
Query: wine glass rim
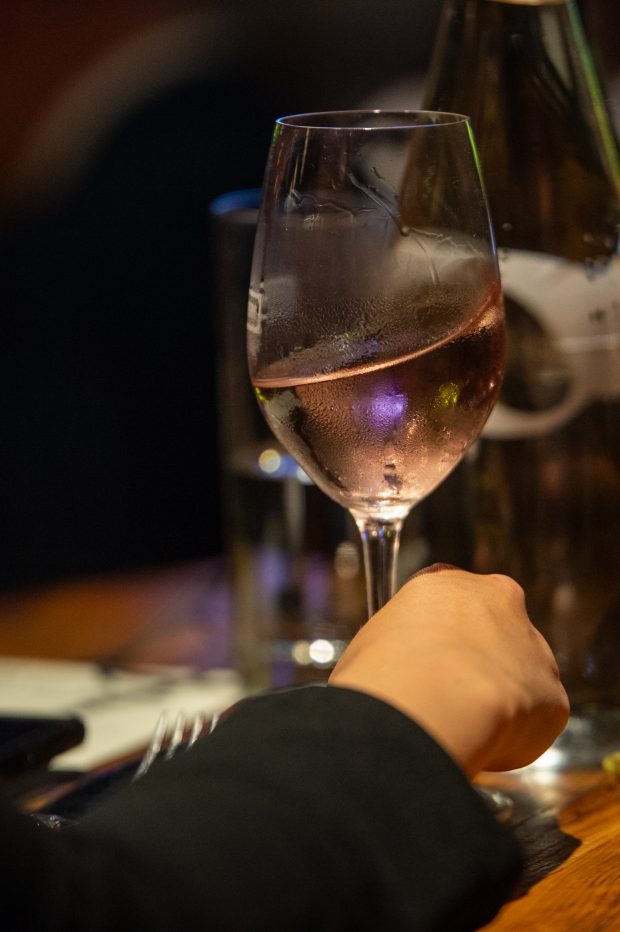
343	119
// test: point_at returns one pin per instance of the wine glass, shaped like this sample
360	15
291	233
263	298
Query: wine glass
375	320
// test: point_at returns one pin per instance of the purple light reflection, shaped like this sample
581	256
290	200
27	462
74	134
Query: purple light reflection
387	409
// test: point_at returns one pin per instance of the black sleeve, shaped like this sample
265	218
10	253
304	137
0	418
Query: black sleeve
315	809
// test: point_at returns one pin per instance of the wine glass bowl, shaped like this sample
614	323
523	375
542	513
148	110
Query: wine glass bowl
375	321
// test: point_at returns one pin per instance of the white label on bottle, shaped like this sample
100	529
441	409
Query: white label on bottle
576	309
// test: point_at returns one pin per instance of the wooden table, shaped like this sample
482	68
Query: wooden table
569	826
568	823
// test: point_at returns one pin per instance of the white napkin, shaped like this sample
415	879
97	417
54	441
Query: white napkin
119	709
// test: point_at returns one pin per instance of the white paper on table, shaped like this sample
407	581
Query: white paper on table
119	709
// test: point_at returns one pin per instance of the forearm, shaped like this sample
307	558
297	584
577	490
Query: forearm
320	808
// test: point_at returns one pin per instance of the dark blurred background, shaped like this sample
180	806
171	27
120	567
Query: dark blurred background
119	123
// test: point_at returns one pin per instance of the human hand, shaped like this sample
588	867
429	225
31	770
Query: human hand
457	653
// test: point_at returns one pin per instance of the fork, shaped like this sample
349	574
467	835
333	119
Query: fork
165	741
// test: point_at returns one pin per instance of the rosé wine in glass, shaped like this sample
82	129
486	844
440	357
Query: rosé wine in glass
375	317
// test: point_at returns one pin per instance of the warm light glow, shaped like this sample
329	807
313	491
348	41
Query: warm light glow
322	652
270	461
551	759
300	653
346	560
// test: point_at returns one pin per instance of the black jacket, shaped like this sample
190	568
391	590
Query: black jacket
315	809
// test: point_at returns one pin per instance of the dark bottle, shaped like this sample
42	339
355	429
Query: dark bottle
544	488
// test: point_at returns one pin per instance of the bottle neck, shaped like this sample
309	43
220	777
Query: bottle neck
523	72
486	47
462	20
469	4
530	2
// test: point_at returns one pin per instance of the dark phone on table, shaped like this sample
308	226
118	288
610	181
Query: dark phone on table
30	742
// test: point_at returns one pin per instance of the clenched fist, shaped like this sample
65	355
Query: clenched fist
457	653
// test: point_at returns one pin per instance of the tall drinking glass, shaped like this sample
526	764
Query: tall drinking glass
375	322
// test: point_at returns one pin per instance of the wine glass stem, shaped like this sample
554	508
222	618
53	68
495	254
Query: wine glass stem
380	541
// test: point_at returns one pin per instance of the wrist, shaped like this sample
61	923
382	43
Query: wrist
464	717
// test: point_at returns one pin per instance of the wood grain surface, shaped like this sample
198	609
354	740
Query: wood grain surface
569	827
